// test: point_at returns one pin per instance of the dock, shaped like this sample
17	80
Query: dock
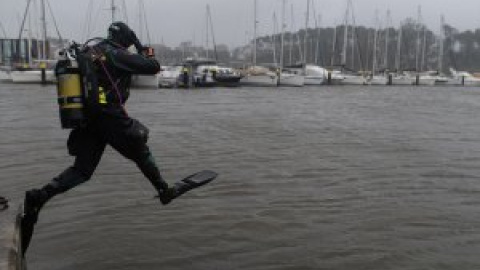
10	258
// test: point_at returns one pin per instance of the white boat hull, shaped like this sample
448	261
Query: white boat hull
426	81
378	80
403	81
259	80
4	76
168	81
31	76
468	81
315	75
291	80
314	80
145	81
354	80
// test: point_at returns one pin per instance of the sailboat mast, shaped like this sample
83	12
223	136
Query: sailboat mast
255	34
334	45
387	39
345	36
399	48
417	52
305	45
113	8
282	38
292	40
353	37
207	32
140	20
210	21
44	31
375	40
441	43
30	43
317	41
424	48
274	38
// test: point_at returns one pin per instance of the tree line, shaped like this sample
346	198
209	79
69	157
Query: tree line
411	47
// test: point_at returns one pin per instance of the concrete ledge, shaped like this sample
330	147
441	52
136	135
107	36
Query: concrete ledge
10	258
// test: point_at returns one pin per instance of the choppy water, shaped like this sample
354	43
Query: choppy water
311	178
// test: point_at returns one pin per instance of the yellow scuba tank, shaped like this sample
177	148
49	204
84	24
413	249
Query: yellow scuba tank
71	96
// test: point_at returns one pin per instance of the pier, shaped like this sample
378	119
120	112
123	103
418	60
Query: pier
9	240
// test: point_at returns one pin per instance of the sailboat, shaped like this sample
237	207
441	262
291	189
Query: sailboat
209	72
423	78
400	77
142	81
258	75
349	78
463	78
375	79
314	74
32	71
290	76
5	75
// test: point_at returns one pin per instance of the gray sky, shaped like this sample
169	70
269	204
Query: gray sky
181	20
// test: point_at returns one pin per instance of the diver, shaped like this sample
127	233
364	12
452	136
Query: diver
108	124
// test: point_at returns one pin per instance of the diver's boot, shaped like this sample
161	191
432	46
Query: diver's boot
34	201
167	195
181	187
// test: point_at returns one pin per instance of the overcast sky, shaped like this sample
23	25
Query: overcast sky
185	20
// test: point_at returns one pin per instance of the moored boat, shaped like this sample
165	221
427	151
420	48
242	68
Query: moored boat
32	76
259	76
170	76
145	81
315	75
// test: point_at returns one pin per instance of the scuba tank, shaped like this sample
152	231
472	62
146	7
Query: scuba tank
70	94
76	81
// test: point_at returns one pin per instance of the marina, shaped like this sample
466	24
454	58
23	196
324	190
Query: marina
340	135
333	177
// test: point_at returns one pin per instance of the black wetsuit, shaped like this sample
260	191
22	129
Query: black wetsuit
109	123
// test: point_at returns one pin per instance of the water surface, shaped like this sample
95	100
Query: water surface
310	178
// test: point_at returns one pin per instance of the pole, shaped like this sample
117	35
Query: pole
255	34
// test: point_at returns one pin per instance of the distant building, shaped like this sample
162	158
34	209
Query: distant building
21	51
14	51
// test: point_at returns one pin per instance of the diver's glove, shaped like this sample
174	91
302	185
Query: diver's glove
148	52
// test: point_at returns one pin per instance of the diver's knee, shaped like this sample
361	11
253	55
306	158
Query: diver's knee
70	178
138	133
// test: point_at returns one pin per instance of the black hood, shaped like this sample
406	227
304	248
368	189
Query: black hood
121	34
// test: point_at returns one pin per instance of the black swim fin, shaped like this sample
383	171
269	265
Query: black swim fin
191	182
